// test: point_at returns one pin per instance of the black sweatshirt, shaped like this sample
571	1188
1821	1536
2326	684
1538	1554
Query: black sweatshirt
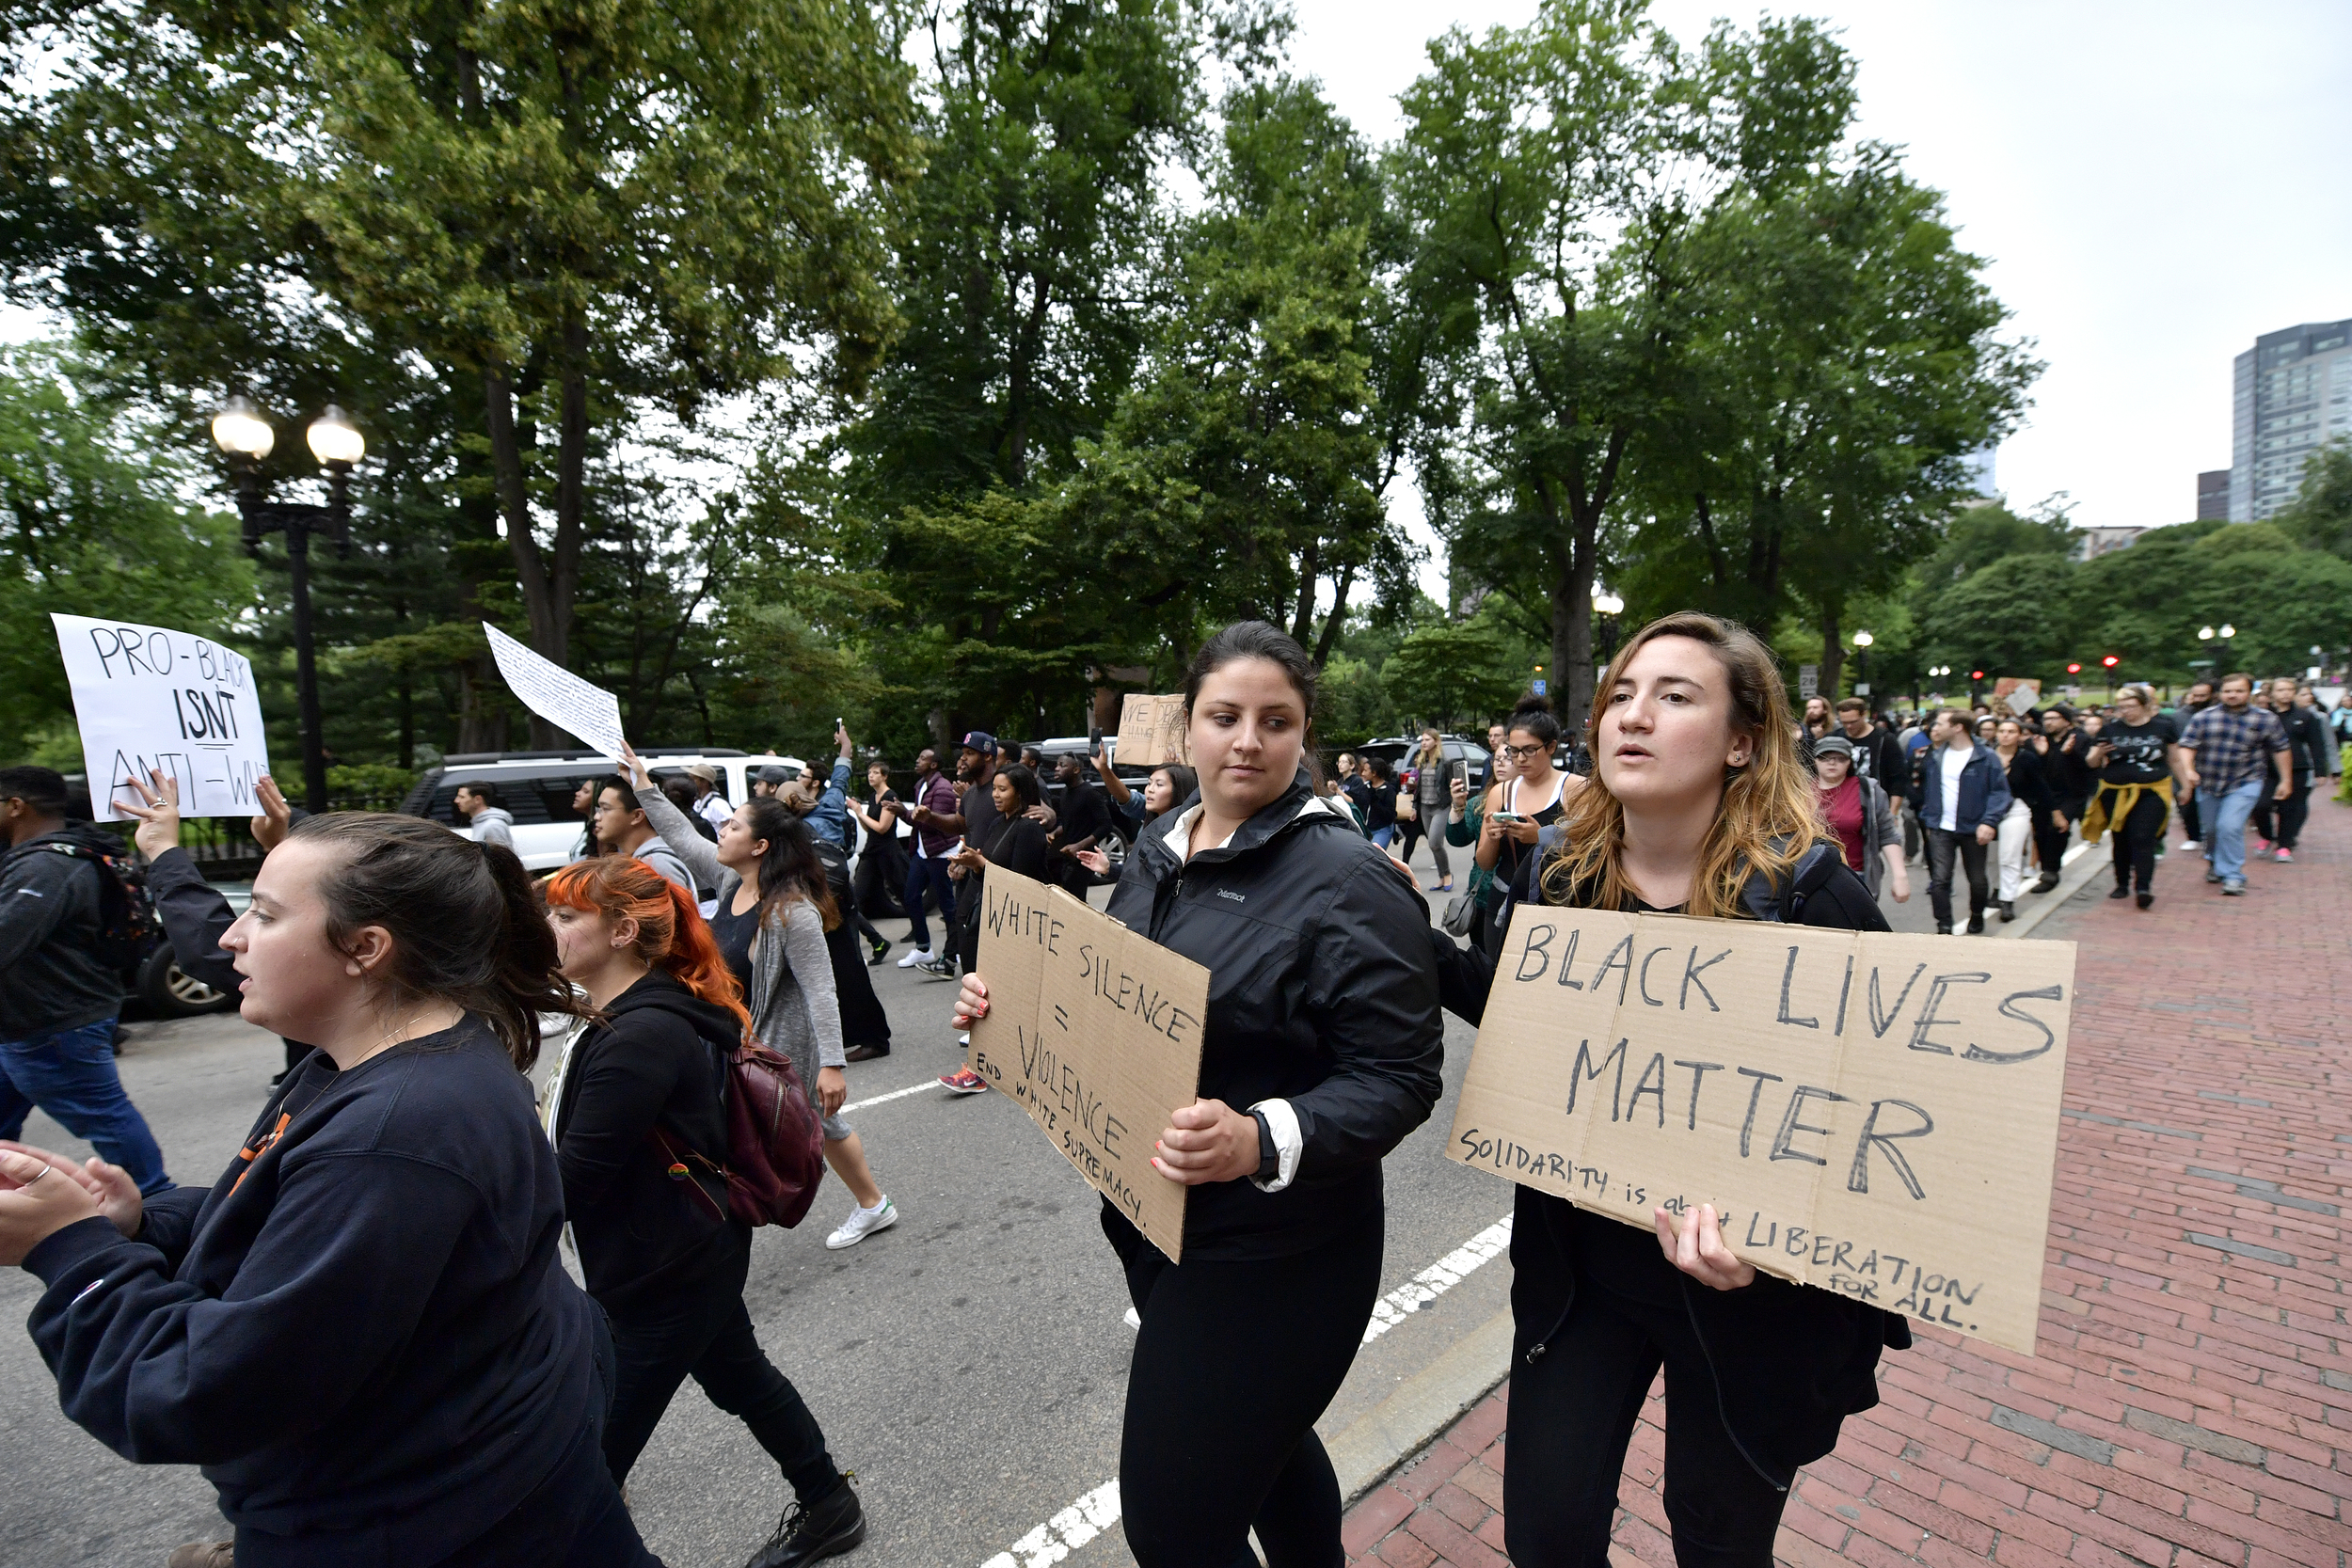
653	1065
1790	1361
360	1332
49	939
196	915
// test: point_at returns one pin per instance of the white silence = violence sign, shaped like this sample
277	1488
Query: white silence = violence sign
156	700
1095	1031
1870	1112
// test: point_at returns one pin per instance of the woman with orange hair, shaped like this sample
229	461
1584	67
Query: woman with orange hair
639	1125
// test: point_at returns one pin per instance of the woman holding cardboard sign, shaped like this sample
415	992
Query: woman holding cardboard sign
1699	805
1319	1053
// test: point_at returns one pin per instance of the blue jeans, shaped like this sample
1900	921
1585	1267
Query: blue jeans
1382	835
930	872
70	1075
2226	847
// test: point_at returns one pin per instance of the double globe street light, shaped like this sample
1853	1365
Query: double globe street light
245	437
1862	643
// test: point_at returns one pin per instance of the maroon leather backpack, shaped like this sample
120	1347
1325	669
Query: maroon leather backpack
775	1141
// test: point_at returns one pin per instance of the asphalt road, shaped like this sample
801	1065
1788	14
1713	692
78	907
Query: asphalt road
970	1365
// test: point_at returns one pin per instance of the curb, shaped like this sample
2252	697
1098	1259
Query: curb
1382	1439
2078	866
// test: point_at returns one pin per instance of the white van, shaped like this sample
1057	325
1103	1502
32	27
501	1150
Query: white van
537	788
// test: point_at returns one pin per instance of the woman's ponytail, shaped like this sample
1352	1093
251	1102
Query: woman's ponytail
463	918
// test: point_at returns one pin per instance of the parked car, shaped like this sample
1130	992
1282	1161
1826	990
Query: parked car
536	787
168	990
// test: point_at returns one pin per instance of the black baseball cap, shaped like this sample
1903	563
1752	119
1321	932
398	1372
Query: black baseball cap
980	741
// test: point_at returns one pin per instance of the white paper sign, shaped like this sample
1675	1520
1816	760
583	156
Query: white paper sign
557	695
150	699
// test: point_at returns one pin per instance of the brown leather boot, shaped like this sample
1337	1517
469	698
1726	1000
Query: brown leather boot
203	1554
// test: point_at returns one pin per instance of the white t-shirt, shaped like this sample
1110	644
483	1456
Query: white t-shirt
1952	759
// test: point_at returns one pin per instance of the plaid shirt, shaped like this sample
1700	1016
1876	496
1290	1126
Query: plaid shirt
2231	747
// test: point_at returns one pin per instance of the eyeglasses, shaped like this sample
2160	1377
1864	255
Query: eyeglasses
1520	753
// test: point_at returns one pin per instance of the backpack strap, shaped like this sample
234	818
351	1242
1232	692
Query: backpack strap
1813	870
680	1172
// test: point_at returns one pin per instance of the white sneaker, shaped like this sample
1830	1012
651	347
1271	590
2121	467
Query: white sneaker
920	955
2190	847
862	1223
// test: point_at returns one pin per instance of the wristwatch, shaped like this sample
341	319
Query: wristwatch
1269	1158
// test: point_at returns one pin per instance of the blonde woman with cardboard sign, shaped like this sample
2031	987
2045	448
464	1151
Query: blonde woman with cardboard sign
1319	1053
1699	805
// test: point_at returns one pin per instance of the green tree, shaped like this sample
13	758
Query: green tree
569	213
2320	517
95	526
2013	617
1457	676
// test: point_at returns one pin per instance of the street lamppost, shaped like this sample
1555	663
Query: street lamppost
1862	641
245	438
1937	673
1608	606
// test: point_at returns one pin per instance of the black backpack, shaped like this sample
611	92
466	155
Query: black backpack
127	927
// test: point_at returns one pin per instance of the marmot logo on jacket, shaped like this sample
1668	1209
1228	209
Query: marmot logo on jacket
1229	893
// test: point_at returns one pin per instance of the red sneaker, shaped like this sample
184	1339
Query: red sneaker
963	1081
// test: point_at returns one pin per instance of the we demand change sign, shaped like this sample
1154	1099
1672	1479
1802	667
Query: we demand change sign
1872	1113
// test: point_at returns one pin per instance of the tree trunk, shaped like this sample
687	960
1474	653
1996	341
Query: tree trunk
1571	682
1833	651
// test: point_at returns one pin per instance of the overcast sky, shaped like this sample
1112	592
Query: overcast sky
2153	183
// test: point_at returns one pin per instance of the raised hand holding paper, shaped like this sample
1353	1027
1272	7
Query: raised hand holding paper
150	699
557	695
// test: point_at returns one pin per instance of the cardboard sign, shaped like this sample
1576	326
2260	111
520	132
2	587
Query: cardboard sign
1152	731
1870	1112
1095	1031
150	699
2018	695
557	695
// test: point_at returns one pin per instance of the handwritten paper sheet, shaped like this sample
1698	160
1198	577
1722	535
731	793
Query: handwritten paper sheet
152	699
557	695
1152	731
1870	1112
1095	1031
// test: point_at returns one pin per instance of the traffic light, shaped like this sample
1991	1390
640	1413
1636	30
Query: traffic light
2073	669
2110	661
1975	674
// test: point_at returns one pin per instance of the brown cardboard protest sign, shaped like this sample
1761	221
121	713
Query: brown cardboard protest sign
1870	1112
1152	730
1095	1031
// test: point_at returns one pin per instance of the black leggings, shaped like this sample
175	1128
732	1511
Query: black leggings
1572	1413
1273	1339
707	1333
2136	840
2049	839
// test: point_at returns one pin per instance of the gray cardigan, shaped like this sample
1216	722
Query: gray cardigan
794	1008
1880	828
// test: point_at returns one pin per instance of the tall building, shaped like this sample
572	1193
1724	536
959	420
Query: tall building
2213	495
1980	466
2293	392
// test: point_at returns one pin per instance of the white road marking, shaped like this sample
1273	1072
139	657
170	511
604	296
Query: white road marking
882	1099
1098	1510
1438	1278
1065	1532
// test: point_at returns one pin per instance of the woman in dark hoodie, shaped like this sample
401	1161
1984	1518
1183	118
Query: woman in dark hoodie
1699	805
1320	1052
361	1330
640	1132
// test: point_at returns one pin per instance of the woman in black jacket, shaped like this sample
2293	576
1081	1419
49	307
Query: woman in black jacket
1699	805
639	1119
361	1331
1320	1052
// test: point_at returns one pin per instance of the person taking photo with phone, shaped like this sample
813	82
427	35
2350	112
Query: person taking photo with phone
1699	804
1320	1052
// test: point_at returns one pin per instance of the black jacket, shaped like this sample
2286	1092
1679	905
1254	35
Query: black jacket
2029	781
1790	1362
54	978
654	1063
361	1331
195	917
2310	745
1879	755
1321	993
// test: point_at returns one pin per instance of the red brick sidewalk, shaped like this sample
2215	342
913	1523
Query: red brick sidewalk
2191	1398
